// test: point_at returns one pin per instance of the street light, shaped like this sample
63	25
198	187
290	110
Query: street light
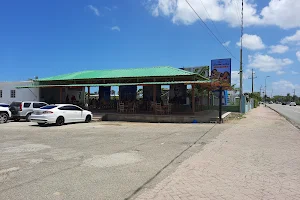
266	89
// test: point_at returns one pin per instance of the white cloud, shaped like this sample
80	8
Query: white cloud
252	42
219	10
295	73
292	39
280	72
282	13
266	63
298	55
115	28
283	87
235	76
226	44
278	49
94	9
107	8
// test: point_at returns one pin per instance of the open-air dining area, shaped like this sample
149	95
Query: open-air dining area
142	93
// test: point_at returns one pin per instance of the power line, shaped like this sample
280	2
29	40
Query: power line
211	31
209	17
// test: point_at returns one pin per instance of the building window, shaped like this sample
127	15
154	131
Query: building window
13	94
0	93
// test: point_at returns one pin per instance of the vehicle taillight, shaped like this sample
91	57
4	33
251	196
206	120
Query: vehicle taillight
21	107
47	112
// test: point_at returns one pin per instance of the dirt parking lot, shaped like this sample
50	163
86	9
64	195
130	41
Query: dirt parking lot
101	160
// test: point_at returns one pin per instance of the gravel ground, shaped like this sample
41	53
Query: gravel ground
94	161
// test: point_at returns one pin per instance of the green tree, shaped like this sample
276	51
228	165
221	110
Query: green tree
288	97
113	92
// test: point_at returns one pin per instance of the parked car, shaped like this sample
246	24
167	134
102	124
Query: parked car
4	105
5	114
283	103
60	114
23	110
293	104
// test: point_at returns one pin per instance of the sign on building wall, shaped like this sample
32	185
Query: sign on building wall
201	70
221	71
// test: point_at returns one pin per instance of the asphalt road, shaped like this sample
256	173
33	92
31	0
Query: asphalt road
101	160
290	112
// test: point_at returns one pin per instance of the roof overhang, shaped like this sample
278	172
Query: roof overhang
117	84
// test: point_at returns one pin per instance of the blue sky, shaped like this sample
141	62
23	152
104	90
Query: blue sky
46	38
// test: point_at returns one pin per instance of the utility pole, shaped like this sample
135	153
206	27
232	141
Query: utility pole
241	57
252	77
266	89
294	97
260	90
272	94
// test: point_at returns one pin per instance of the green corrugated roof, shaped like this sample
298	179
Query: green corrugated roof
121	73
116	84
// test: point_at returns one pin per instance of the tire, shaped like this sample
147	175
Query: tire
27	118
3	117
60	121
16	119
88	119
13	110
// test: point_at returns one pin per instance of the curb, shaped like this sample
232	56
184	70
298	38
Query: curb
287	118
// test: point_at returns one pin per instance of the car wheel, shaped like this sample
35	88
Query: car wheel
27	118
16	119
88	118
60	121
3	117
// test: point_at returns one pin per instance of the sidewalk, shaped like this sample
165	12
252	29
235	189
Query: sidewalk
259	158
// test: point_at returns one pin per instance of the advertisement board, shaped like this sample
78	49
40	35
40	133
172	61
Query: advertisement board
201	70
221	71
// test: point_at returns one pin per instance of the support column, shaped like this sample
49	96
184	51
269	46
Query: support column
220	105
154	93
89	93
60	95
193	99
154	98
208	99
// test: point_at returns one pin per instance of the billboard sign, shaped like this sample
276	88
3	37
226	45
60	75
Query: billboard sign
221	71
201	70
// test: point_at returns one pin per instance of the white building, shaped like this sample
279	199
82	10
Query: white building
9	92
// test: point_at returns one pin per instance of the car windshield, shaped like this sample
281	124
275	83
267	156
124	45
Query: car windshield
48	107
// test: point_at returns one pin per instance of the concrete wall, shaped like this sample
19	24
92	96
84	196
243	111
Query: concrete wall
247	105
23	94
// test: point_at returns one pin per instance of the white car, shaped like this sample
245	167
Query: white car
60	114
293	104
5	114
